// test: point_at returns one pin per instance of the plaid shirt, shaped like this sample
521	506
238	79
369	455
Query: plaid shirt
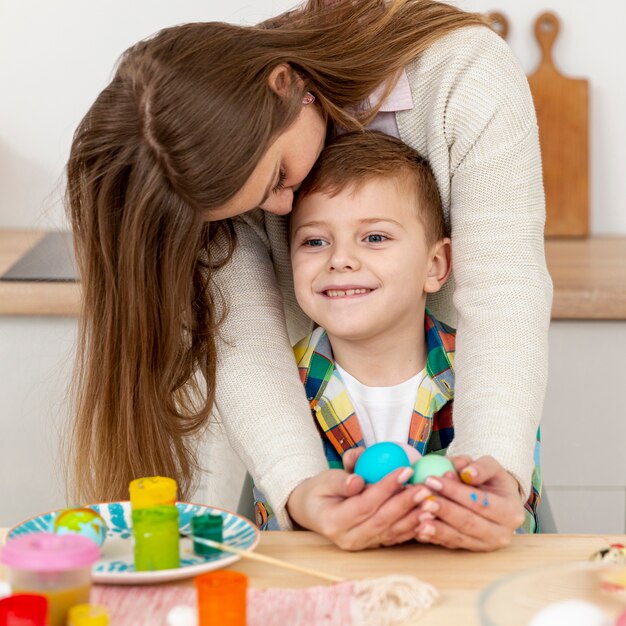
431	429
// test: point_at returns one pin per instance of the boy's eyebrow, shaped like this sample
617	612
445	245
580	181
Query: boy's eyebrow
368	220
312	223
371	220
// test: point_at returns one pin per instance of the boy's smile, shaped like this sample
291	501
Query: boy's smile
345	291
361	262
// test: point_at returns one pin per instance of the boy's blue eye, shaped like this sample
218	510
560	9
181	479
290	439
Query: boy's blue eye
314	243
376	238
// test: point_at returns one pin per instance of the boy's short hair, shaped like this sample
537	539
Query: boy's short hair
358	157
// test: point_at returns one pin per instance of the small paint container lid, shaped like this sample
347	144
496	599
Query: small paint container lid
88	615
182	615
25	609
47	552
212	521
152	491
5	589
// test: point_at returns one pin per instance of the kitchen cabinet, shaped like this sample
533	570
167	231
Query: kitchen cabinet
583	426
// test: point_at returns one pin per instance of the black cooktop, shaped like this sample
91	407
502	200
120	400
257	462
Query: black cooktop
51	259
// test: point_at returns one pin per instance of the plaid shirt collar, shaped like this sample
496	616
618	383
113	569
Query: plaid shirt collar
331	404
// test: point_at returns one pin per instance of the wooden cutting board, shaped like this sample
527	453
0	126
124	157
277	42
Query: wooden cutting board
499	23
562	106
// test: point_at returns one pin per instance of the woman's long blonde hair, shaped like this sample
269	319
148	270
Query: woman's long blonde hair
177	132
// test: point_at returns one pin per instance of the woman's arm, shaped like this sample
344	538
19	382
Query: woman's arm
481	137
503	289
259	396
479	131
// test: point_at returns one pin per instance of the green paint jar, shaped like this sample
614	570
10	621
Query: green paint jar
208	526
156	538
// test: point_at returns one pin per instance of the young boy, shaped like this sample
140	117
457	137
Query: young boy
368	244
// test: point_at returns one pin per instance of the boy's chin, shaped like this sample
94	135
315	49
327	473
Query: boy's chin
351	333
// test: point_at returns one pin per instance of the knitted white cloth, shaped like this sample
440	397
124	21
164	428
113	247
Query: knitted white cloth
474	120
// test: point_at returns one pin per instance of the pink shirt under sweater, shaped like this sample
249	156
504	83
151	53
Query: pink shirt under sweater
400	99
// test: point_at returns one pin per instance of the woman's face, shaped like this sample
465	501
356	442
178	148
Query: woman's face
281	170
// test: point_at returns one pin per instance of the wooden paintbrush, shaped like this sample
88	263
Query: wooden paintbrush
261	558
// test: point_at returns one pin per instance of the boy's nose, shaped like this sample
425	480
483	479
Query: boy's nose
343	260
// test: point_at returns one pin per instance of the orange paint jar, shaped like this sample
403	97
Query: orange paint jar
222	598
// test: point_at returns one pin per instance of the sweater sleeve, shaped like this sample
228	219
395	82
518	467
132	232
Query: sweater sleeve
503	299
483	140
259	396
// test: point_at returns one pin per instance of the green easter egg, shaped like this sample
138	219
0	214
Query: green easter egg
431	465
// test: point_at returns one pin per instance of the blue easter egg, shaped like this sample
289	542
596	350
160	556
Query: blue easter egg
379	460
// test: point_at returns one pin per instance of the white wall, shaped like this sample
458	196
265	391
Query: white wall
36	357
56	56
591	45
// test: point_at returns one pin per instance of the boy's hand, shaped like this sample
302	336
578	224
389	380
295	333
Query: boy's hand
480	512
337	505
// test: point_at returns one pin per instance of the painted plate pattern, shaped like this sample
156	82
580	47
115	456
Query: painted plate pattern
116	565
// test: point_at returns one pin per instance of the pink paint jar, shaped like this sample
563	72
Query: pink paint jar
57	567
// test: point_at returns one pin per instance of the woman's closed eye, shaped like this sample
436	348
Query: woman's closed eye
280	185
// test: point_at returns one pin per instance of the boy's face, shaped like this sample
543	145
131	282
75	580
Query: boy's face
360	260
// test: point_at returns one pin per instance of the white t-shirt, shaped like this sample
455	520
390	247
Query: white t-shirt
384	412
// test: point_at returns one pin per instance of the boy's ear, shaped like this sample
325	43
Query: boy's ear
440	265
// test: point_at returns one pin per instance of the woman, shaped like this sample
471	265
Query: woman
179	181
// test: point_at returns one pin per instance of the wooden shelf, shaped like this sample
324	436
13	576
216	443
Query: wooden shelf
589	278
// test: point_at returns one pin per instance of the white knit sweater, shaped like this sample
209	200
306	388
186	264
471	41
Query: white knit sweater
474	120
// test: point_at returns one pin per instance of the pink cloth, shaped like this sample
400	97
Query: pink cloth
400	98
323	606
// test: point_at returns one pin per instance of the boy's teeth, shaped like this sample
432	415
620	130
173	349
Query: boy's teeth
347	292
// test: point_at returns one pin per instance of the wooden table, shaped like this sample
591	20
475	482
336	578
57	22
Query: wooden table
589	279
459	576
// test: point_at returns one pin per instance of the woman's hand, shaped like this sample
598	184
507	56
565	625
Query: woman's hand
480	512
337	505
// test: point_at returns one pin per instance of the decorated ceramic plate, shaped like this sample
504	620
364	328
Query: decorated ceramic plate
116	563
